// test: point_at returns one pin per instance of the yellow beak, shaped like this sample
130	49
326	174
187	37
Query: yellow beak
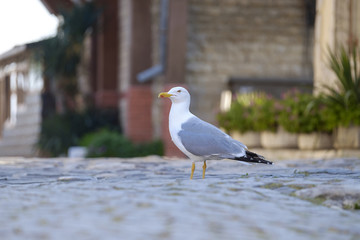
164	94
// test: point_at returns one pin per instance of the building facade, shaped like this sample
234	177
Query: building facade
20	105
207	46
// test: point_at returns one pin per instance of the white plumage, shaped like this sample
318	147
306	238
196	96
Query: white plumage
199	140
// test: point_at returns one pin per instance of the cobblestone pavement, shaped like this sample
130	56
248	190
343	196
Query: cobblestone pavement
153	198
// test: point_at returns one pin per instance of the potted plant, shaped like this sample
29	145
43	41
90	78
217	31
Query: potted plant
307	116
344	97
239	122
347	130
273	134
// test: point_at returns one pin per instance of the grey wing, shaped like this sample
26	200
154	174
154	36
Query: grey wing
203	139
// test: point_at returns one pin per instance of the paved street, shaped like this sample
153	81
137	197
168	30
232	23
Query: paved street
153	198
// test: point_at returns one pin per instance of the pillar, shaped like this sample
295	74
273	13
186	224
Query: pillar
105	54
175	65
136	98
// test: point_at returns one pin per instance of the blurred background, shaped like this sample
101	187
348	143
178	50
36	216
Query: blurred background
85	74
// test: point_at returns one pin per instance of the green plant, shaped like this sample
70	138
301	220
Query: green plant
304	113
60	131
224	121
56	135
250	112
265	112
344	97
237	118
151	148
106	143
61	55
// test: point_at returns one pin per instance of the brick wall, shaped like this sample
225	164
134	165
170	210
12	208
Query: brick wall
138	120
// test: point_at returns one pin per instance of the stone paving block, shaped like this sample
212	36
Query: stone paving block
153	198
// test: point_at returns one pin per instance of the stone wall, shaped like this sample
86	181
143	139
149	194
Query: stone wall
324	38
333	30
342	27
125	44
240	38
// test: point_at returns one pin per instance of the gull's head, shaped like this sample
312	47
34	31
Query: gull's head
176	95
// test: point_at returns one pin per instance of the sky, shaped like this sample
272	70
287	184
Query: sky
24	21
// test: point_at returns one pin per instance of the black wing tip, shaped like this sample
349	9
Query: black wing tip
253	158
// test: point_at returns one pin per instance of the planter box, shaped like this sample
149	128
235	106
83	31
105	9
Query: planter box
279	139
312	141
250	139
347	137
77	152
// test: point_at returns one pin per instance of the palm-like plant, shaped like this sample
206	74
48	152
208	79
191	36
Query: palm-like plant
344	97
61	55
347	90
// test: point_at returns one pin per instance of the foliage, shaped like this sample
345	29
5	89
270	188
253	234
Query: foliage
56	136
347	90
61	54
340	115
344	97
224	121
265	114
106	143
296	112
237	118
250	112
60	131
304	113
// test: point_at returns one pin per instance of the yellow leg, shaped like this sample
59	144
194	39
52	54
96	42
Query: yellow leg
192	170
204	169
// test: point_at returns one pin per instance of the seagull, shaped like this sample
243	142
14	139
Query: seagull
200	140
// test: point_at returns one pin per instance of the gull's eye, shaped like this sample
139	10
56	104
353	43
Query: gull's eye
178	90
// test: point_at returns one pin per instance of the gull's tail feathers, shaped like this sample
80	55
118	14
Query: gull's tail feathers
253	158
